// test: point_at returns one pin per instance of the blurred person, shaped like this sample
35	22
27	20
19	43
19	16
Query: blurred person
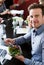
8	3
29	23
22	5
3	9
36	35
16	3
7	17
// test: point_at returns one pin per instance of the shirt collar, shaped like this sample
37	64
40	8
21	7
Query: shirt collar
40	29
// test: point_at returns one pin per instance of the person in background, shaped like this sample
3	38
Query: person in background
29	23
23	5
7	17
3	9
36	35
16	3
8	3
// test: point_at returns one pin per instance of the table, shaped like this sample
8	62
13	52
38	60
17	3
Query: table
4	54
21	30
13	60
18	31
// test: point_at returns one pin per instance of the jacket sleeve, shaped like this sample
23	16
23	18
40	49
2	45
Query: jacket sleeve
23	39
31	62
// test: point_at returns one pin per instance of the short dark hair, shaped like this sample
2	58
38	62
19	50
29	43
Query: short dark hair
35	5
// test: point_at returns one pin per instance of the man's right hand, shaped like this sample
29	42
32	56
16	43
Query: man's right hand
8	41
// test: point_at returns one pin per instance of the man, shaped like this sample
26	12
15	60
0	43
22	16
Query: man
8	3
36	35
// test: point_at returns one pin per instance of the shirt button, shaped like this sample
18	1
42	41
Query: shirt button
33	42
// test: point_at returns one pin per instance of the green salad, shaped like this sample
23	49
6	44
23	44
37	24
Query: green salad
13	51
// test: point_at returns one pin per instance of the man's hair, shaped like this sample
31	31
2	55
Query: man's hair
35	6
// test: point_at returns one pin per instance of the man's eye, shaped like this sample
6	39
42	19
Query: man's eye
36	15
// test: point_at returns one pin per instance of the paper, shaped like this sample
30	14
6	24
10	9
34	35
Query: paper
5	53
21	30
17	12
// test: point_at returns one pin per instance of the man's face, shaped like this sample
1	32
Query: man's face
36	17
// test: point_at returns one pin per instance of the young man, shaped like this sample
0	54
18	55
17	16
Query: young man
36	35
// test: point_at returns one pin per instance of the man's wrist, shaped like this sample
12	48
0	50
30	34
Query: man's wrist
27	61
13	40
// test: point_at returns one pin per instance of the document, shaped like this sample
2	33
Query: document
4	54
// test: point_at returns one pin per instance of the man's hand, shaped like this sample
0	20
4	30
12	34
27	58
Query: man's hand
8	41
5	12
20	57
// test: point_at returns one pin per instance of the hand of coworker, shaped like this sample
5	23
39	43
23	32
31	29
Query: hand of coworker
9	12
29	22
5	12
20	57
8	41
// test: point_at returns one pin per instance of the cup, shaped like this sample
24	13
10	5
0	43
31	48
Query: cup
20	23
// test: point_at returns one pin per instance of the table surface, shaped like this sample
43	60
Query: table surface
21	30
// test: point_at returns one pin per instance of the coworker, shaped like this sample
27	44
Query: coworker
29	23
36	35
3	9
5	14
16	3
23	4
8	3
